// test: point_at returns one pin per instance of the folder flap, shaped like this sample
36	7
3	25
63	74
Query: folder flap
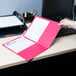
25	48
36	28
31	52
19	44
49	34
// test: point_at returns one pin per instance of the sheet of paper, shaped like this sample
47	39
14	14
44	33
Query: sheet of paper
9	21
36	29
19	44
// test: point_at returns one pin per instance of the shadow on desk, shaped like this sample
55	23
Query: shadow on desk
4	32
61	63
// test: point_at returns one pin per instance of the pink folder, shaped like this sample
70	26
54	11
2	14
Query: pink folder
37	38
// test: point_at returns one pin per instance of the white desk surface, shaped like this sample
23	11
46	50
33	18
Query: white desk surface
61	45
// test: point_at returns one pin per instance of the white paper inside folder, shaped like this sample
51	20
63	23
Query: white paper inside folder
9	21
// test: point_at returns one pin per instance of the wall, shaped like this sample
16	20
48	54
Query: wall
74	2
8	6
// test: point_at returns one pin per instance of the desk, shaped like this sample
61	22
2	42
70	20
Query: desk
60	45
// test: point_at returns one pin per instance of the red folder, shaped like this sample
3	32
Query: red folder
38	38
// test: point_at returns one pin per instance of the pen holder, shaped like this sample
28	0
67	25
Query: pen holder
29	16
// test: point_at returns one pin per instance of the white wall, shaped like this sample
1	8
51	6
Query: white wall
74	2
8	6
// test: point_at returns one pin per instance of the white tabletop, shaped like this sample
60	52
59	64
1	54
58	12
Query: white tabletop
60	45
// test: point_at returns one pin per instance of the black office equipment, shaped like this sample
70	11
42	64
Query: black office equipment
12	24
58	10
75	12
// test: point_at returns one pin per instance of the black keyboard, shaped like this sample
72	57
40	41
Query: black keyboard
66	31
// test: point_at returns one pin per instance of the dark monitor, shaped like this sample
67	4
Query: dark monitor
57	9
